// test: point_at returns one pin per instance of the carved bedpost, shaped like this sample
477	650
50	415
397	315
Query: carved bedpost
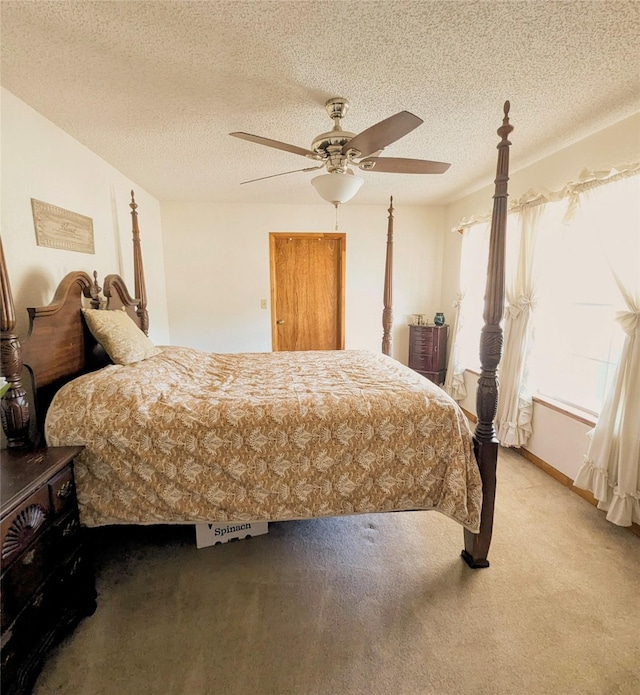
15	405
387	313
139	286
485	442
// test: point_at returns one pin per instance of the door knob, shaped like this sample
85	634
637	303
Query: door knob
280	322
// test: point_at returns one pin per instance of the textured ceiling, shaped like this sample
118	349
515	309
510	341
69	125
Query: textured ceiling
155	87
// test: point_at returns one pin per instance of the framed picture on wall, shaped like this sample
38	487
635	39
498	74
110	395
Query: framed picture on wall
58	228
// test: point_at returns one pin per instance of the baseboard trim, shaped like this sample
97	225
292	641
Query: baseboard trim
557	475
470	416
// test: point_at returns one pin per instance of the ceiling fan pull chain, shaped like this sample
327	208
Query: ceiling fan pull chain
336	205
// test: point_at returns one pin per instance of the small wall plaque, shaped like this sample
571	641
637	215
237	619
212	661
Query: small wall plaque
62	229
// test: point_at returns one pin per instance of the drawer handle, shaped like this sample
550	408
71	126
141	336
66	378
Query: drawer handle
65	491
6	658
70	528
28	558
76	566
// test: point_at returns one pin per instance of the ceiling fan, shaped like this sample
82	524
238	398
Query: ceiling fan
339	151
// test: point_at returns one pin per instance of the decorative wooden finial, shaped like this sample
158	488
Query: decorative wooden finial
94	291
506	127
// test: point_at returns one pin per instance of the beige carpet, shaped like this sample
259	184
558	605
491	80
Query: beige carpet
367	605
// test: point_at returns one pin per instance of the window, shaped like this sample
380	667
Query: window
576	339
576	342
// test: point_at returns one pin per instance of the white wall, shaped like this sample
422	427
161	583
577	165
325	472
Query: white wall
217	260
558	439
41	161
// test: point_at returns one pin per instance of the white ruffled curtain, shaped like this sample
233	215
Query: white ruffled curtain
515	404
611	468
468	308
454	381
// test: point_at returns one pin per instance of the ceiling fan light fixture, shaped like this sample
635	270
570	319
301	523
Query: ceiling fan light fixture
337	188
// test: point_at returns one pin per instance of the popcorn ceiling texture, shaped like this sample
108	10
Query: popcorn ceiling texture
155	88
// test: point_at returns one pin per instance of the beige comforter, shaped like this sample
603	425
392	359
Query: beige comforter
188	436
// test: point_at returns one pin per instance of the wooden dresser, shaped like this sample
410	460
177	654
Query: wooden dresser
428	351
47	579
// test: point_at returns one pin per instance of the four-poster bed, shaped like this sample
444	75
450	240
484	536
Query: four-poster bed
60	350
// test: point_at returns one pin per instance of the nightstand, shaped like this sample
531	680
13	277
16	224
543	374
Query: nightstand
47	579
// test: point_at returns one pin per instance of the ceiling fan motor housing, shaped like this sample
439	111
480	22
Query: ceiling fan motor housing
329	147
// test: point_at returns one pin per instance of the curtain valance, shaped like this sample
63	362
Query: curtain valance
587	181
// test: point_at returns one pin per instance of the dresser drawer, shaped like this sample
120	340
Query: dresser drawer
34	624
73	586
424	351
425	361
24	576
422	338
420	346
66	534
10	659
24	524
63	491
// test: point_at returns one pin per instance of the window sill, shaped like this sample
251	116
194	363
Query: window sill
574	413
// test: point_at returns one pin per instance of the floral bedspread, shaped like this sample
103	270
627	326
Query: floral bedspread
187	436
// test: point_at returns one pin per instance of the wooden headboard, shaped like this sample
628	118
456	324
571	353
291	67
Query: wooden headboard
59	347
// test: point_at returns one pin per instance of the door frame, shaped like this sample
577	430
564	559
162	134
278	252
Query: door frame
342	275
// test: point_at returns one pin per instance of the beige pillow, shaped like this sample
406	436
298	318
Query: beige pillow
119	336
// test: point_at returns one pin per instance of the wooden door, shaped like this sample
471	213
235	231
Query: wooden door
307	291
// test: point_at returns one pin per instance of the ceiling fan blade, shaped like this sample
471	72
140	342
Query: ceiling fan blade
295	171
378	136
400	165
294	149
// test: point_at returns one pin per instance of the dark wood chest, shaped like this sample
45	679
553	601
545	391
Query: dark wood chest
47	579
428	351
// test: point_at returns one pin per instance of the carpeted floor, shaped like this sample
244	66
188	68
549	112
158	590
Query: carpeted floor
367	605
